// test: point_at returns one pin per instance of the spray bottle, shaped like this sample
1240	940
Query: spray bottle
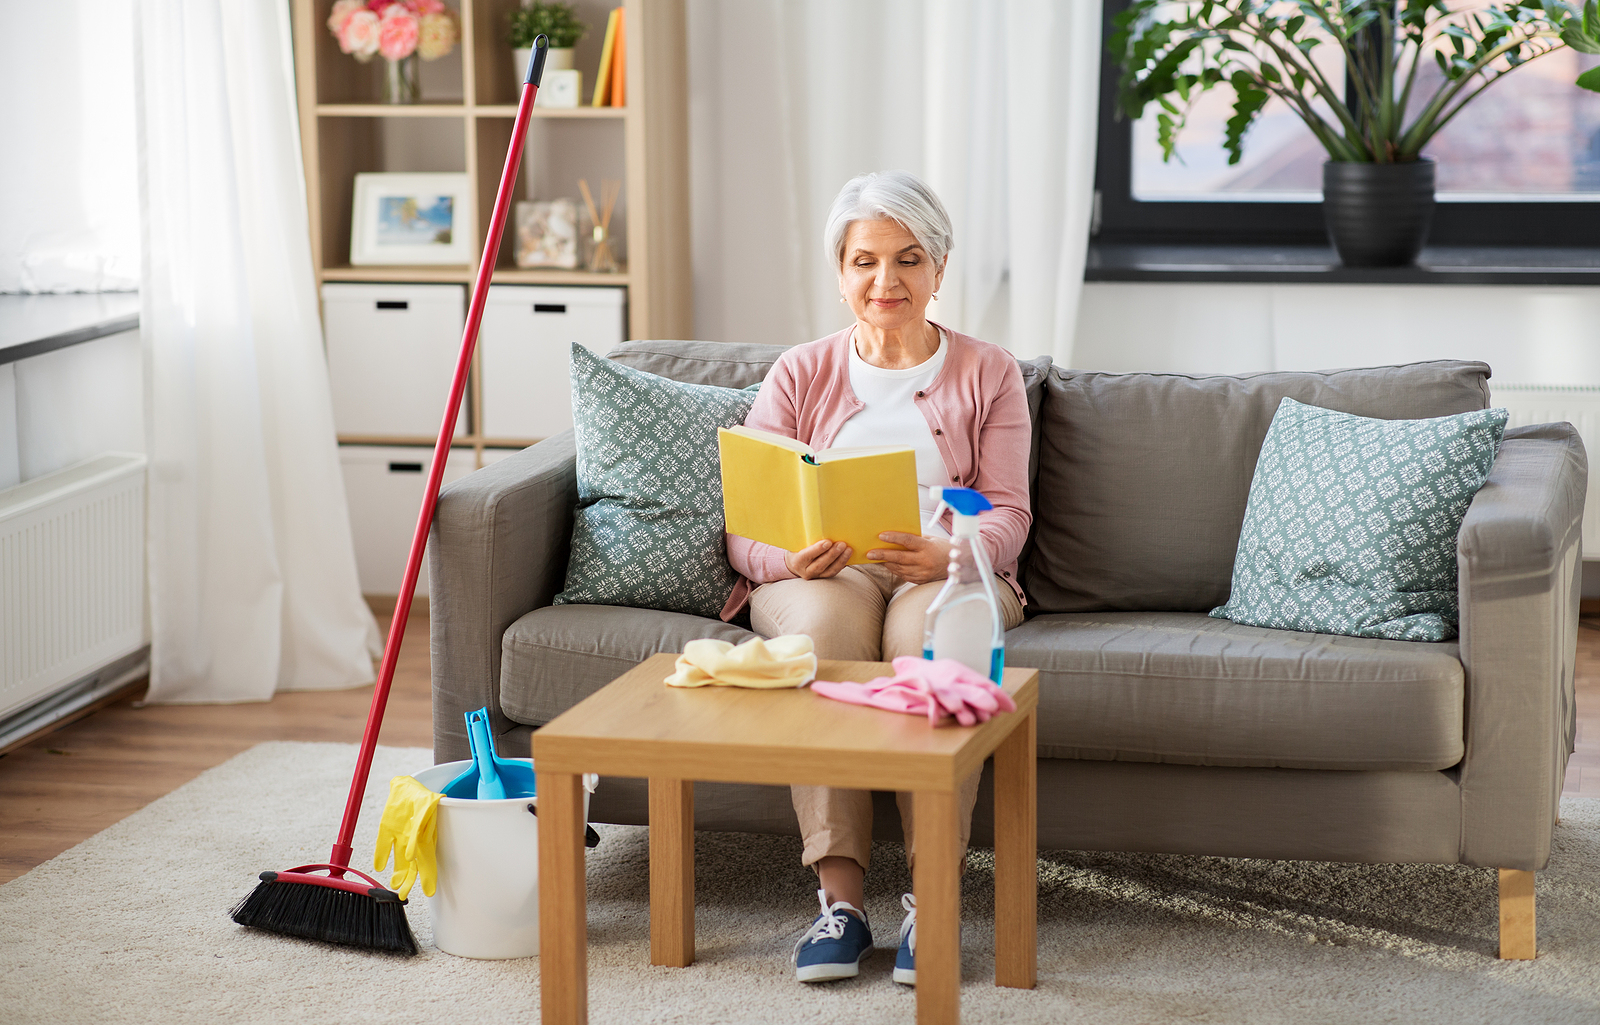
964	621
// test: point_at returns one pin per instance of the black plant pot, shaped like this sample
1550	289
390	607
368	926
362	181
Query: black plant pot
1378	214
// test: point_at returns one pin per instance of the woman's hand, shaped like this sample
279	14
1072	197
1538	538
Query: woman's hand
819	561
926	558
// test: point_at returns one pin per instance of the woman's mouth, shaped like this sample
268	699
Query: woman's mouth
884	304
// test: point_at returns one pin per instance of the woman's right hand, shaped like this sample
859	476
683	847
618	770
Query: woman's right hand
819	561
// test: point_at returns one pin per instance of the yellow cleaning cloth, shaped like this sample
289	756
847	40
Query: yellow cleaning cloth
410	825
788	661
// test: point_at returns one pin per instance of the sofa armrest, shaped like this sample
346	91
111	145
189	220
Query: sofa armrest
1519	558
497	550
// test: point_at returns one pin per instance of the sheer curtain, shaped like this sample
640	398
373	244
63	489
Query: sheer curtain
252	570
993	102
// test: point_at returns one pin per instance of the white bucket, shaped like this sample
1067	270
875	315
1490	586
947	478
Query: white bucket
486	901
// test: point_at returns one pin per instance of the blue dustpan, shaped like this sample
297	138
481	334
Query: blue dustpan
490	778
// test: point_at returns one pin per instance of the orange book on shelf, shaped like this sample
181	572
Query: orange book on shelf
619	69
602	78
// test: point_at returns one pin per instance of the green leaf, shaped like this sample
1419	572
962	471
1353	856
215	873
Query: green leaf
1590	80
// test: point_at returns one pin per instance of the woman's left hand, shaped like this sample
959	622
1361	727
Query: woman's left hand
926	558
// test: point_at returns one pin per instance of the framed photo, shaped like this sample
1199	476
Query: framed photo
547	234
411	218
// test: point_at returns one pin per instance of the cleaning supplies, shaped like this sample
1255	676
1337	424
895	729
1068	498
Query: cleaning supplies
409	828
787	661
303	901
964	622
490	777
940	689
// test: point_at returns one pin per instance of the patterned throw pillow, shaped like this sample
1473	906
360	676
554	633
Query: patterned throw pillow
648	528
1352	522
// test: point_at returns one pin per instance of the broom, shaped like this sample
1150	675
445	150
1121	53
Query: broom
360	911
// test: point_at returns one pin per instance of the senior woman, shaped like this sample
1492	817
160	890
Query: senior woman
891	378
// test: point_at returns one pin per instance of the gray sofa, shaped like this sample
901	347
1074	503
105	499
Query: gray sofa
1160	729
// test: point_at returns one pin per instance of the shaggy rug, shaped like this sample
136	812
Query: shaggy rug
132	926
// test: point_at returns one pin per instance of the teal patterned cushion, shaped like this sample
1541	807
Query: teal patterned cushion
648	527
1352	522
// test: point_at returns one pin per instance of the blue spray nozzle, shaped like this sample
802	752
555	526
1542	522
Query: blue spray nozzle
964	501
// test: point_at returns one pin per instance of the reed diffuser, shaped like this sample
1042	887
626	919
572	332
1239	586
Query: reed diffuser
602	260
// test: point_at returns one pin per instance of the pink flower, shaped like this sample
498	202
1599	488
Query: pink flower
425	7
359	34
397	33
437	35
341	13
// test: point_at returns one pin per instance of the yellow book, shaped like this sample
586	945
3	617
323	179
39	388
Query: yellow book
602	79
778	491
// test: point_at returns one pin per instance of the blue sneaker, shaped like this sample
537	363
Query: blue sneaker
905	959
835	945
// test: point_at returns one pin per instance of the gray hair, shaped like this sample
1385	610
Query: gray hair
897	195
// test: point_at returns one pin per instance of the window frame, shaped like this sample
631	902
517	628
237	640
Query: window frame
1122	219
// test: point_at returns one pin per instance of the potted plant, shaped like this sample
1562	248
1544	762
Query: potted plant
399	31
555	20
1377	187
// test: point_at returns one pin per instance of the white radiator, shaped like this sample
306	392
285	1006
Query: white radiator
72	575
1578	405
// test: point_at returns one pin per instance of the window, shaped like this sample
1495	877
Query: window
1519	167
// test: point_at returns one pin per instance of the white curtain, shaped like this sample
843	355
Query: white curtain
252	570
993	102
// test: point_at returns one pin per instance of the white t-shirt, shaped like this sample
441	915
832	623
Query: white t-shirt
891	417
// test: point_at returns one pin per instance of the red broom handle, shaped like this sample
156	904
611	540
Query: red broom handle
441	451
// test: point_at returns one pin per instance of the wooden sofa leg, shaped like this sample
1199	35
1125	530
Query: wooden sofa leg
1516	915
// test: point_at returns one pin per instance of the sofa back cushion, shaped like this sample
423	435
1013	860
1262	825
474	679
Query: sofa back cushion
1143	478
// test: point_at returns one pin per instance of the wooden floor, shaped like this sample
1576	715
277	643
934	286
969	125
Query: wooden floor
69	785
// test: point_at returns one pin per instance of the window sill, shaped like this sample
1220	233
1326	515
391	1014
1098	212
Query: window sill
1290	264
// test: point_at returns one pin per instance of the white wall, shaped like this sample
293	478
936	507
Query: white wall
70	404
1527	334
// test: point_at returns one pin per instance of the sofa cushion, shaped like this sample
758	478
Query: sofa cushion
1187	689
648	529
724	364
1143	478
1352	522
554	657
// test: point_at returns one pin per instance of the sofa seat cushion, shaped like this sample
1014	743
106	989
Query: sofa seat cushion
1187	689
552	658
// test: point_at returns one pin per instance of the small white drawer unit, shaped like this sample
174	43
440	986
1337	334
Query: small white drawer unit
391	355
526	343
384	486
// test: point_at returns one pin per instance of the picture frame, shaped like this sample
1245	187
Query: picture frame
411	219
547	234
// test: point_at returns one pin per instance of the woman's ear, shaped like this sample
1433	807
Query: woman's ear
938	275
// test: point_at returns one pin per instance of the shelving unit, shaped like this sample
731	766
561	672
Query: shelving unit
464	125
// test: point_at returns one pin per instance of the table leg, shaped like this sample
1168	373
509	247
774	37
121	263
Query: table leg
936	881
672	872
563	917
1016	857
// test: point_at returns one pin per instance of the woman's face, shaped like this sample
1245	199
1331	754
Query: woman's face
887	277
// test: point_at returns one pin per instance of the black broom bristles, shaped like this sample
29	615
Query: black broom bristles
311	912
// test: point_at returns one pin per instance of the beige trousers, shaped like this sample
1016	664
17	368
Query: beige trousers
863	614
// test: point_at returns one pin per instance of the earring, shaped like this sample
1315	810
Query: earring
936	295
841	298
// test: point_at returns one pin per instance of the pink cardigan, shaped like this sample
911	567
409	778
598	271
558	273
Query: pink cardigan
977	412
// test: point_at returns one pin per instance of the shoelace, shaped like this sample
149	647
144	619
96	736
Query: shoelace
909	902
829	926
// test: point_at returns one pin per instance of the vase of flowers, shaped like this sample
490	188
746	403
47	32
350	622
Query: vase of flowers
1377	187
399	31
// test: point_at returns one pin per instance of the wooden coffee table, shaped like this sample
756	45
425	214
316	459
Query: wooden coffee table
638	726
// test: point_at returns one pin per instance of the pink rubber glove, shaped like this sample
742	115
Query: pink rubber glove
936	689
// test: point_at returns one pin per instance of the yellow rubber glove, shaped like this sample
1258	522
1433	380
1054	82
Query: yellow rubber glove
787	661
410	826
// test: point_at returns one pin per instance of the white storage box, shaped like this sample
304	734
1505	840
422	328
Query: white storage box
391	354
526	340
384	486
